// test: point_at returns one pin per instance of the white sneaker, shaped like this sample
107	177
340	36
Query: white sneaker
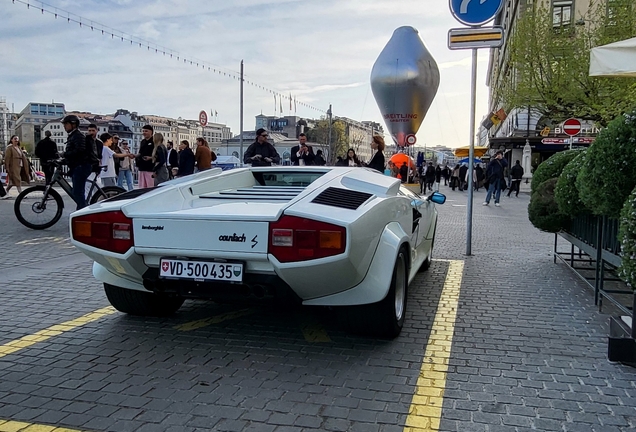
485	203
496	204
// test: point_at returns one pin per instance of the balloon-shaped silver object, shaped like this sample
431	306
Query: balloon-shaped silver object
404	80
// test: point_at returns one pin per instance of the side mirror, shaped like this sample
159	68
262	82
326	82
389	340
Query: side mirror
437	198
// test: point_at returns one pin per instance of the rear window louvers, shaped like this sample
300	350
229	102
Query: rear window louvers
130	194
343	198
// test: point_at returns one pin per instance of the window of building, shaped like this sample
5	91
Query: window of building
562	13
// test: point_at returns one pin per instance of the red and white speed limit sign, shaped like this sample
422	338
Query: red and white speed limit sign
203	118
410	139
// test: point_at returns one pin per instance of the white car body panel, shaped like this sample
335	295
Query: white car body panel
217	215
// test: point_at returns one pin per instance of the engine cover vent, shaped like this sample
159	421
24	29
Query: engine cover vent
343	198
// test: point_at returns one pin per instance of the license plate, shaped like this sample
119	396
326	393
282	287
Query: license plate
200	270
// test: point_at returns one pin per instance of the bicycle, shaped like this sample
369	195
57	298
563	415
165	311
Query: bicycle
40	207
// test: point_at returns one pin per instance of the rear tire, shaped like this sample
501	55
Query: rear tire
31	214
106	192
141	303
385	318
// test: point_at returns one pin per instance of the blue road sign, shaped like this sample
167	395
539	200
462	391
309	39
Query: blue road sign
475	12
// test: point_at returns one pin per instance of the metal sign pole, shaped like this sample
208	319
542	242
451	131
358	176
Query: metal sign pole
241	118
471	154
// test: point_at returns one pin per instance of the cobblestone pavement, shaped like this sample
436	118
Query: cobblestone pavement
528	350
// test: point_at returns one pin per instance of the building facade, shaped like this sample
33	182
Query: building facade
31	120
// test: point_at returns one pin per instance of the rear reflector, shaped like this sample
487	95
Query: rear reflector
111	231
301	239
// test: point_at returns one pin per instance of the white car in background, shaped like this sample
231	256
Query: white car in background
321	236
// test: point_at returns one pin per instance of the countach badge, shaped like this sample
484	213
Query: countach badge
232	238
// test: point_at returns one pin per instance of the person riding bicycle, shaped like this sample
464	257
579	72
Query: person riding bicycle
79	157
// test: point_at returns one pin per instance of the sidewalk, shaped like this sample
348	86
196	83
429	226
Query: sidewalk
530	348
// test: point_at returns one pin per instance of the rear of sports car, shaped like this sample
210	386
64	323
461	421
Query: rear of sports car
225	236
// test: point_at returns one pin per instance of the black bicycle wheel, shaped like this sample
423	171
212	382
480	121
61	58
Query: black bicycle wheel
35	212
105	193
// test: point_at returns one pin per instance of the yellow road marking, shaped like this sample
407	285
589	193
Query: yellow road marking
55	330
15	426
193	325
425	411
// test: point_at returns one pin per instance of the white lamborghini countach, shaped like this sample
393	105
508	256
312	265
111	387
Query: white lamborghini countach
322	236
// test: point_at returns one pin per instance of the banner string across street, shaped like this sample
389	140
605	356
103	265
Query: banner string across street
159	49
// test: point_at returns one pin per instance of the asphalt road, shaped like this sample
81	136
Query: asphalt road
503	340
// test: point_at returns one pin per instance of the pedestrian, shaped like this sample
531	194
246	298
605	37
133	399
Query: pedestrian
46	150
159	160
302	154
404	172
79	157
319	159
16	165
377	161
125	167
495	177
203	156
438	176
173	159
115	147
446	173
479	176
186	159
429	177
454	179
352	159
143	159
108	174
463	169
421	176
261	152
517	174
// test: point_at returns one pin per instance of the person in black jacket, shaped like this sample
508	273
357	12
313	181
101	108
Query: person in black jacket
144	158
495	176
46	150
302	154
79	158
377	161
261	152
517	174
173	159
186	159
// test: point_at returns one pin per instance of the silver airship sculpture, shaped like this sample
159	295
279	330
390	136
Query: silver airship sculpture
404	81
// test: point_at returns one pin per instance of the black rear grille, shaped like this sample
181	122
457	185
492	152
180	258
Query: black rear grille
130	194
343	198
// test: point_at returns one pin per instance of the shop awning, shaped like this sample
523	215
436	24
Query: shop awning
617	59
463	151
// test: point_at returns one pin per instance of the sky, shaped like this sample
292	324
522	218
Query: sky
319	51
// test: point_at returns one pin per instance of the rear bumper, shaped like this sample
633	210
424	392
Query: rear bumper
254	288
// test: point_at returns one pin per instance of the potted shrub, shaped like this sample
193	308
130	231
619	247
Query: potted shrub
543	211
566	192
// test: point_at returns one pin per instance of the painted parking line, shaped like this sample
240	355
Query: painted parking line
15	426
425	411
55	330
193	325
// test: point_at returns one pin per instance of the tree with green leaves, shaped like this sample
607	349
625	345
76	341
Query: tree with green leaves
320	134
548	65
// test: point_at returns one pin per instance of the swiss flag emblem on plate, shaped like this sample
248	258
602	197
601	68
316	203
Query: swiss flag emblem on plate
165	266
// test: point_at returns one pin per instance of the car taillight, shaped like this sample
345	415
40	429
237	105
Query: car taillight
111	231
299	239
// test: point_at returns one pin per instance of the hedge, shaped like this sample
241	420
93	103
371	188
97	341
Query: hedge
627	237
608	173
543	211
552	167
566	194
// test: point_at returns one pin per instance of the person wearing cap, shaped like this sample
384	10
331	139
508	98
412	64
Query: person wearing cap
495	175
46	150
261	152
143	159
125	167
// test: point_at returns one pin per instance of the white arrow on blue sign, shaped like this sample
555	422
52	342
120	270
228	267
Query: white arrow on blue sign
475	12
